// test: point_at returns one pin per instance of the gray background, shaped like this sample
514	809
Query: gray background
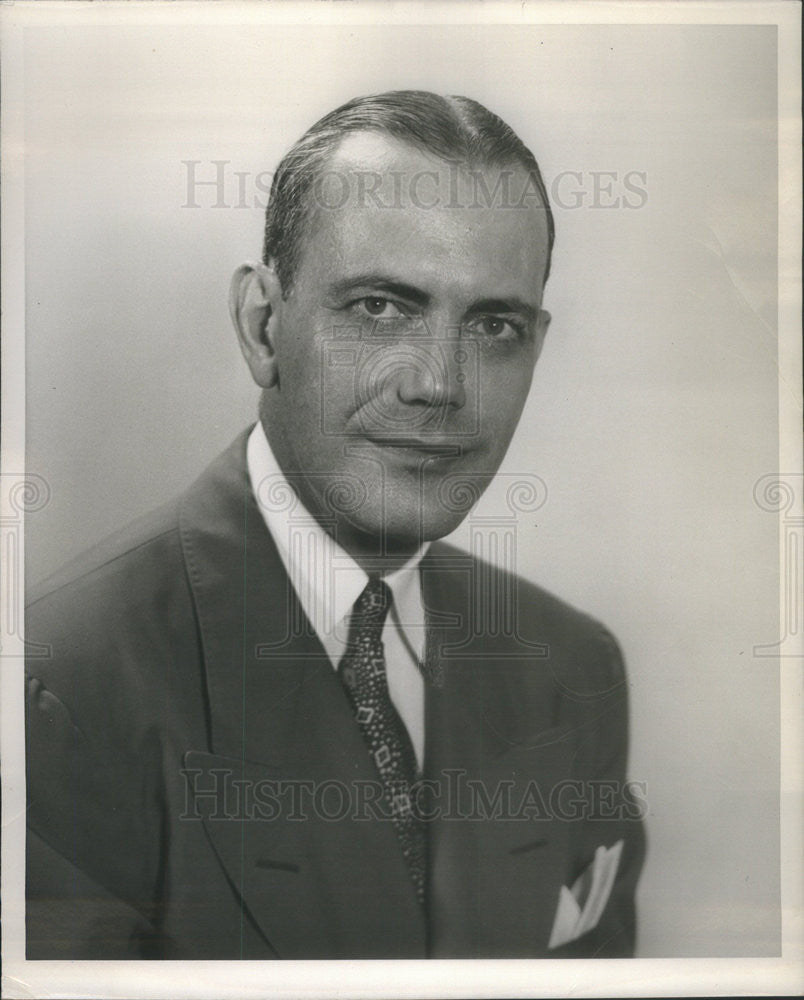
654	408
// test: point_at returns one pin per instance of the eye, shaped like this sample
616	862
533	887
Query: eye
495	327
379	308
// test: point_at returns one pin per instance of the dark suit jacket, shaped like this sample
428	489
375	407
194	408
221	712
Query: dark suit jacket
186	694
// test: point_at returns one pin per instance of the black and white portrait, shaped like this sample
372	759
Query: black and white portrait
398	485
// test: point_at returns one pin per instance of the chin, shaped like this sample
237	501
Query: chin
405	512
403	531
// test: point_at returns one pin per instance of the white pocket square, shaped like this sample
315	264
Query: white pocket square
580	908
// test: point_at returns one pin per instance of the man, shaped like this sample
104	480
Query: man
281	719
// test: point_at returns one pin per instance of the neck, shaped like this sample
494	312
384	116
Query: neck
375	556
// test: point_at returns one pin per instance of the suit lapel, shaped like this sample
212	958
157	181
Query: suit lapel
496	854
296	847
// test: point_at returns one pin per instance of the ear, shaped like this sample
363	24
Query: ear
542	323
255	296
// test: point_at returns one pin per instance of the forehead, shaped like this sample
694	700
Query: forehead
382	203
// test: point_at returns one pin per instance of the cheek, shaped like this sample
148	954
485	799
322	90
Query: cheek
317	383
502	392
299	357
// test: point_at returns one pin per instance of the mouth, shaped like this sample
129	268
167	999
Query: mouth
432	448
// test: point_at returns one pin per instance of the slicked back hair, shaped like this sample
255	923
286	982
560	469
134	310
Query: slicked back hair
454	129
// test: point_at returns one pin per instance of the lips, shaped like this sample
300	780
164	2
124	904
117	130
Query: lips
433	445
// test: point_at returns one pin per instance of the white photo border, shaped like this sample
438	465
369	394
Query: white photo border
636	977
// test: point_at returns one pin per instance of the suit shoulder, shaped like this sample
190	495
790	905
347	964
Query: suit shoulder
151	544
582	653
147	537
113	642
122	608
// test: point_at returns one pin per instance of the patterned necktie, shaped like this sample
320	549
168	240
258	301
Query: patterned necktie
362	671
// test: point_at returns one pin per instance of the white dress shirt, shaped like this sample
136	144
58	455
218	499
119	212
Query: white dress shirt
328	582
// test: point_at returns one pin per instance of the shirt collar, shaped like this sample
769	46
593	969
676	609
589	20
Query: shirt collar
326	578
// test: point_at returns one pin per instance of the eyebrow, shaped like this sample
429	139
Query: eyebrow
510	305
386	283
382	282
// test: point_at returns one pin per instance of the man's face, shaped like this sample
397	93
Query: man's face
405	349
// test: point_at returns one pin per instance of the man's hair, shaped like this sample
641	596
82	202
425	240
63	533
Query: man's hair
455	129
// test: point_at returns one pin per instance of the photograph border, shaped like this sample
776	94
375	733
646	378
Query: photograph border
431	978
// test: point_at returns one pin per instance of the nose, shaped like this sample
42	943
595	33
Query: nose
433	374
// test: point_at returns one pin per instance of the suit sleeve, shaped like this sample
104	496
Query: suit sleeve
71	916
90	877
614	809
